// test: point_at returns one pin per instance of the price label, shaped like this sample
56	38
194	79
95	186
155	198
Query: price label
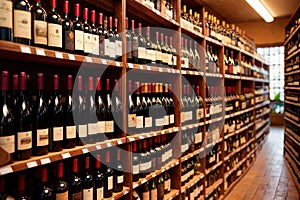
71	57
173	71
118	64
144	181
31	164
135	185
88	59
98	147
119	142
85	150
45	161
153	175
141	137
160	69
131	139
104	61
175	129
40	52
141	67
125	192
169	70
149	68
65	155
163	132
6	170
108	144
25	49
130	65
59	55
183	72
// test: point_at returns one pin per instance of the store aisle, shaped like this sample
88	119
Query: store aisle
268	178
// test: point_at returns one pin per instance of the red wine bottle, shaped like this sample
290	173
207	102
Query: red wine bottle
68	41
118	174
61	187
7	120
95	34
88	182
75	187
3	191
128	43
135	163
38	25
99	180
40	124
78	31
81	114
101	109
92	118
118	41
54	28
57	117
101	35
88	38
22	22
109	119
108	184
46	192
142	46
111	45
132	111
6	23
22	193
69	127
24	123
118	112
134	43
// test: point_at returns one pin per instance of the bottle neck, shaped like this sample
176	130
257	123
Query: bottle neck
53	9
3	96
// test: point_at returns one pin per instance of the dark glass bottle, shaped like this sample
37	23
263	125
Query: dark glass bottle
87	35
128	43
81	114
118	174
108	184
135	163
132	111
153	190
38	25
22	22
110	45
146	191
54	28
99	180
158	52
68	38
78	31
101	35
61	188
6	23
22	193
88	183
95	34
92	118
118	41
142	57
134	43
109	119
46	192
160	188
150	52
118	112
75	192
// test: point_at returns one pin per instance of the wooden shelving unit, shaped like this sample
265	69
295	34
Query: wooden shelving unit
62	62
292	127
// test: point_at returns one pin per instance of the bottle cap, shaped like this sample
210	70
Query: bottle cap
77	10
116	23
56	84
60	172
91	84
66	6
75	165
126	22
70	82
23	79
110	22
107	85
87	162
53	3
21	183
15	82
116	85
44	174
98	83
132	24
79	81
100	18
85	13
93	16
98	162
140	28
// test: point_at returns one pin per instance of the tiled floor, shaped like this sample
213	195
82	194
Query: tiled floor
268	178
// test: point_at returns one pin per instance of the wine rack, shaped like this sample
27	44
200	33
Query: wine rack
291	135
50	61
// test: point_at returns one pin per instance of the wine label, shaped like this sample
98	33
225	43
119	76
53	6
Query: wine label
199	113
58	134
165	58
71	132
139	121
136	169
110	182
6	14
88	194
159	122
158	55
54	35
174	60
172	119
69	40
96	44
109	126
237	103
106	47
188	116
154	194
40	32
101	126
151	54
78	40
244	105
146	195
42	137
211	159
88	42
100	193
198	138
167	185
170	59
8	143
112	49
118	47
24	140
142	53
184	62
82	129
62	196
131	120
22	24
92	128
101	45
166	120
120	179
182	114
77	196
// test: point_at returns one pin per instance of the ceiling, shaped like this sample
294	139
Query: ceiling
237	11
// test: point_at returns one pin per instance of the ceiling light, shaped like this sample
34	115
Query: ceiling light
261	10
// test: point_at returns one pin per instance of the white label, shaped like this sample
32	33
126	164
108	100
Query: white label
139	121
40	32
148	122
101	126
112	49
198	138
172	117
92	128
25	50
153	194
142	53
59	55
22	24
158	55
166	120
71	57
24	140
145	166
31	164
88	194
146	195
110	182
6	14
6	170
54	35
40	52
45	161
109	126
199	113
71	132
120	179
42	137
159	122
118	48
66	155
8	143
100	193
58	133
136	169
82	130
88	42
107	47
131	120
151	55
96	44
182	114
79	40
165	58
188	116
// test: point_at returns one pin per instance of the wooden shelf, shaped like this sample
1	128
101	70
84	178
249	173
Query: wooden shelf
213	167
36	161
291	35
261	80
238	131
238	149
264	103
152	68
292	103
211	188
238	113
258	135
292	136
263	114
214	75
261	125
190	126
119	195
229	76
142	136
214	120
287	149
189	32
189	72
291	121
190	155
192	182
292	88
171	195
293	72
294	176
231	46
246	78
262	93
292	55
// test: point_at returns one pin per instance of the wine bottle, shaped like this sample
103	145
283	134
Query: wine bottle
139	113
108	184
145	163
118	112
118	42
168	50
152	154
87	35
78	31
174	54
22	22
54	28
135	163
38	25
128	43
171	107
75	192
61	188
99	180
192	62
101	111
158	51
101	33
24	124
40	126
164	51
109	42
46	192
81	114
22	193
3	194
92	118
135	44
6	20
167	183
145	191
160	188
88	182
56	117
153	190
69	127
95	34
150	52
7	122
118	174
109	119
68	42
132	111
